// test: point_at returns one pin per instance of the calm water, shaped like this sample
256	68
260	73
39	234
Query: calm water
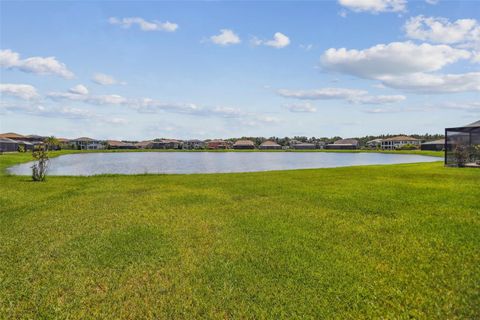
209	162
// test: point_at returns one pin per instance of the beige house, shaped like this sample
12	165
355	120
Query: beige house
270	145
398	142
244	144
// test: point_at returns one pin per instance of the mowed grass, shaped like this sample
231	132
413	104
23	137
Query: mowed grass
395	241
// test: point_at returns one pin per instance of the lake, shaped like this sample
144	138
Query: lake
87	164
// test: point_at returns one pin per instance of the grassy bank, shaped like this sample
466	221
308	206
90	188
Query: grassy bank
397	241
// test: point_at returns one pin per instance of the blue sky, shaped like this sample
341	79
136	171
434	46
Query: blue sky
141	70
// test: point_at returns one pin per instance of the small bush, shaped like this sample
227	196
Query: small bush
461	155
408	147
39	168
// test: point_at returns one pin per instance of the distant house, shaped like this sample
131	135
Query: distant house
244	144
34	138
28	143
28	146
12	136
8	145
166	144
375	143
85	143
218	144
436	145
193	144
321	144
343	144
304	146
143	144
398	142
270	145
115	144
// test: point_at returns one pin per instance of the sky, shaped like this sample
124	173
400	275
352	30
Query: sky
143	70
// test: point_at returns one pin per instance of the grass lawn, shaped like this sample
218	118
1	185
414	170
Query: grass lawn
395	241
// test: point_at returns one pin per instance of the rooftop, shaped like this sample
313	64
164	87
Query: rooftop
244	142
401	138
439	141
11	135
346	141
86	139
270	143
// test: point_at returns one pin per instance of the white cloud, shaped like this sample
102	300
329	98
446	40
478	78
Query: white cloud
321	94
463	106
436	83
105	79
109	99
38	65
148	105
79	89
374	6
306	47
476	57
441	30
143	24
64	112
279	41
225	38
302	108
350	95
380	99
22	91
396	58
432	2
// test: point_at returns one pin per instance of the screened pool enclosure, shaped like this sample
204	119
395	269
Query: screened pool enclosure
462	146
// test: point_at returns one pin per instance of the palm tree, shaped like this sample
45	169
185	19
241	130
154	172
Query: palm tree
51	142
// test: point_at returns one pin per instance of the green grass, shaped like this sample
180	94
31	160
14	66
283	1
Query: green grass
392	242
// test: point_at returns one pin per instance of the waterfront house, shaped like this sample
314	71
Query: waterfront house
436	145
398	142
270	145
27	146
166	144
8	145
115	144
35	139
243	144
85	143
193	144
143	144
375	143
12	136
343	144
218	144
304	146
